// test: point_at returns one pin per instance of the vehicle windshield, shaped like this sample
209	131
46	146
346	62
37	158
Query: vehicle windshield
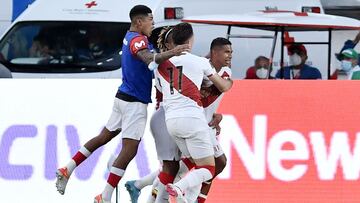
63	47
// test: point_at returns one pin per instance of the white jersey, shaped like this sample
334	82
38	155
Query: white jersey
212	102
181	78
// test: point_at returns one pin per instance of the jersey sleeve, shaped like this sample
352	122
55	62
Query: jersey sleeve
138	43
227	73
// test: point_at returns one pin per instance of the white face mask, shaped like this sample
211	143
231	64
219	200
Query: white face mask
346	65
262	73
295	60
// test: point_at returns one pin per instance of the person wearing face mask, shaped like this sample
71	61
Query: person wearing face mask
340	73
260	69
298	69
349	44
349	64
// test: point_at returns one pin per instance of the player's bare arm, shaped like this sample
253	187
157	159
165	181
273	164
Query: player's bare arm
222	84
146	56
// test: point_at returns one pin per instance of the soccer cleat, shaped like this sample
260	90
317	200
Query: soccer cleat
99	199
62	177
176	192
134	192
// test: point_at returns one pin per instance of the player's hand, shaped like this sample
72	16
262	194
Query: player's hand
180	49
215	120
215	123
205	92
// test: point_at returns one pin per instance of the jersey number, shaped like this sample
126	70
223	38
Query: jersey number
171	73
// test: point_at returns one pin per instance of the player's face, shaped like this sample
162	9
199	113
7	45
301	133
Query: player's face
147	24
224	55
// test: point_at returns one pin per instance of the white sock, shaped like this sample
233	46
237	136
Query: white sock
203	196
192	193
154	189
194	178
146	180
72	164
107	193
162	194
84	151
109	189
183	170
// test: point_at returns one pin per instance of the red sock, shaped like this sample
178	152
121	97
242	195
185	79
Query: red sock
188	163
79	158
113	179
166	178
201	200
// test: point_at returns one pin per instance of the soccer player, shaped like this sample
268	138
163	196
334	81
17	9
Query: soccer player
130	106
167	150
180	79
220	59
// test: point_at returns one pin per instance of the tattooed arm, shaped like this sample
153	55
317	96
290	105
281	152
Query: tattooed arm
148	57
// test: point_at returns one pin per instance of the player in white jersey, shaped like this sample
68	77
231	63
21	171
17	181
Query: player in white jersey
181	79
220	59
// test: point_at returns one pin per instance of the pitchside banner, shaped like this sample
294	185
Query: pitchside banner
286	141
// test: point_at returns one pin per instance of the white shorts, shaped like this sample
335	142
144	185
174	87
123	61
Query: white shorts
191	136
218	151
166	147
130	117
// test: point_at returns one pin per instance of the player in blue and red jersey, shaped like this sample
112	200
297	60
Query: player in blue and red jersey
129	113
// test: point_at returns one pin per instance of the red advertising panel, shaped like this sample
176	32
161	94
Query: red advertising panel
290	141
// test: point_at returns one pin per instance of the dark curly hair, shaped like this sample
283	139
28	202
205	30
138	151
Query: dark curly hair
164	35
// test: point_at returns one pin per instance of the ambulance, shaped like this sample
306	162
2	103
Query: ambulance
83	39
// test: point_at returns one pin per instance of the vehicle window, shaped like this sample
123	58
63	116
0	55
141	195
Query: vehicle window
63	47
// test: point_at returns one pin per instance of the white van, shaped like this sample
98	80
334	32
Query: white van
84	38
68	39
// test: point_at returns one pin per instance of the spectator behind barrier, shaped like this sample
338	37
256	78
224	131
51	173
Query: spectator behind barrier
349	44
339	73
349	63
298	69
260	69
